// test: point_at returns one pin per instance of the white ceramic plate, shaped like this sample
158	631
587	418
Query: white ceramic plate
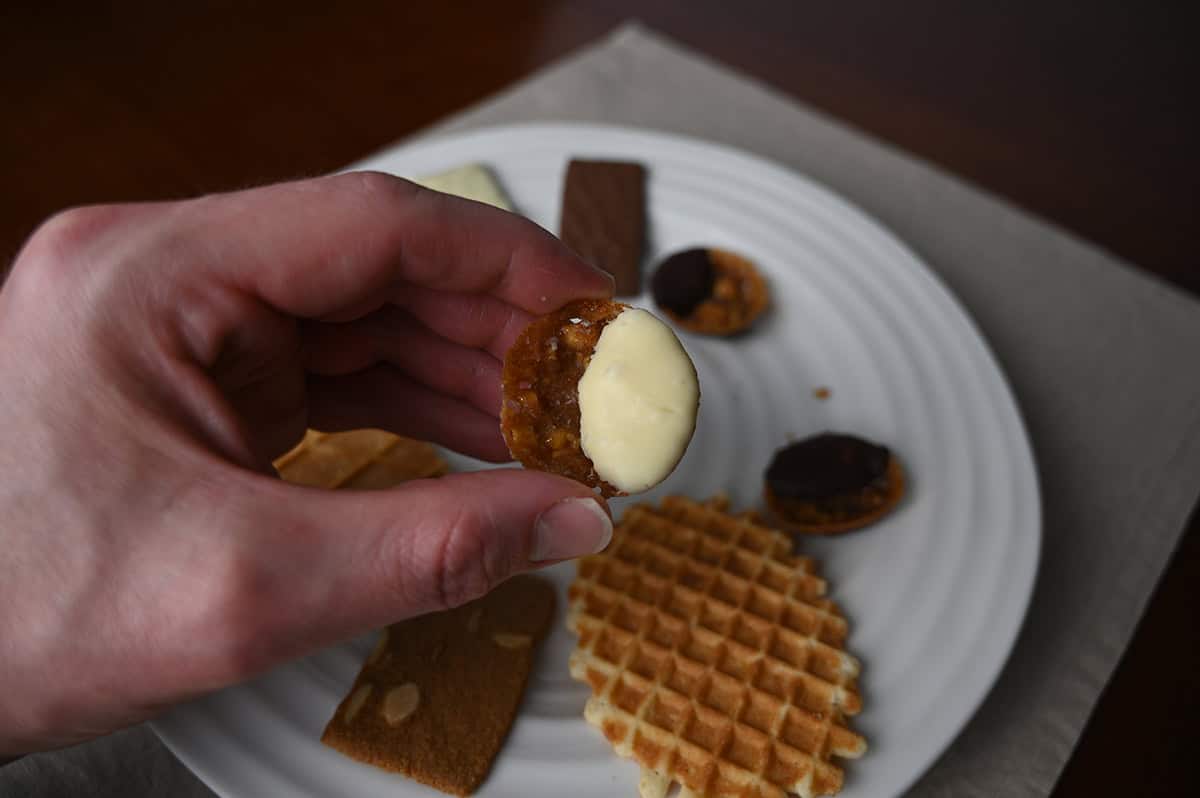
935	593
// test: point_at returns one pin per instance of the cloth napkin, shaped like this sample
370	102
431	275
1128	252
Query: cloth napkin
1100	358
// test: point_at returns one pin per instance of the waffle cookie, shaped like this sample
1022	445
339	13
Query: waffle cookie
436	698
710	291
713	656
363	459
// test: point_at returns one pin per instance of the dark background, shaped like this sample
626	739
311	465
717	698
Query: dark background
1082	112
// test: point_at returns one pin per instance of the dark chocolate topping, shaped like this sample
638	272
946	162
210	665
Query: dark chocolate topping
826	465
683	281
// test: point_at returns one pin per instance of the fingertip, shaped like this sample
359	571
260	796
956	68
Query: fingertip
608	283
598	283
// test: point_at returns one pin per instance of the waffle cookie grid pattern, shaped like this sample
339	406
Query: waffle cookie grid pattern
713	656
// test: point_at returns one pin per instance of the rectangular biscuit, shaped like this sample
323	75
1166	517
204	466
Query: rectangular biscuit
604	218
436	698
362	459
473	181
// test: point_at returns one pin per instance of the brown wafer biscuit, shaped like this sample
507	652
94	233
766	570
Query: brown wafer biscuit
604	218
361	459
710	291
829	484
540	414
438	695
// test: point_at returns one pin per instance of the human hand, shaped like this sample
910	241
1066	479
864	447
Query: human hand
154	360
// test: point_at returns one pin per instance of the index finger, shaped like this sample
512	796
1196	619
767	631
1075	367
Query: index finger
322	247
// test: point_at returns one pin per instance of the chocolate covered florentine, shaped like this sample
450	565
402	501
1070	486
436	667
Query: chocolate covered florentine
604	218
472	181
602	393
683	281
710	291
832	483
540	414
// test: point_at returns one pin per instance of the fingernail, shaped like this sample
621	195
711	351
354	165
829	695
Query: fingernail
612	281
570	528
606	274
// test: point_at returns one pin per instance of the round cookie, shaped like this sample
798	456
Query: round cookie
710	291
832	483
540	414
602	393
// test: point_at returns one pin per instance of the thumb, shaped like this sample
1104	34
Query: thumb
347	562
447	541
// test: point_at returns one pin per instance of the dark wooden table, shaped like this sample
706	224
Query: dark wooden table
1084	113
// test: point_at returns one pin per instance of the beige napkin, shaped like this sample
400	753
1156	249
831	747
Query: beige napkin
1101	359
1095	352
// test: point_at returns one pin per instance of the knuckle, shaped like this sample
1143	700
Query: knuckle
232	617
464	566
59	247
69	231
244	605
380	186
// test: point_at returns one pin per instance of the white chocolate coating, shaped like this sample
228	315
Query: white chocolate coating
472	181
638	399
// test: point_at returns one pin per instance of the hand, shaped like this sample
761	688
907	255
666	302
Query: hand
154	360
